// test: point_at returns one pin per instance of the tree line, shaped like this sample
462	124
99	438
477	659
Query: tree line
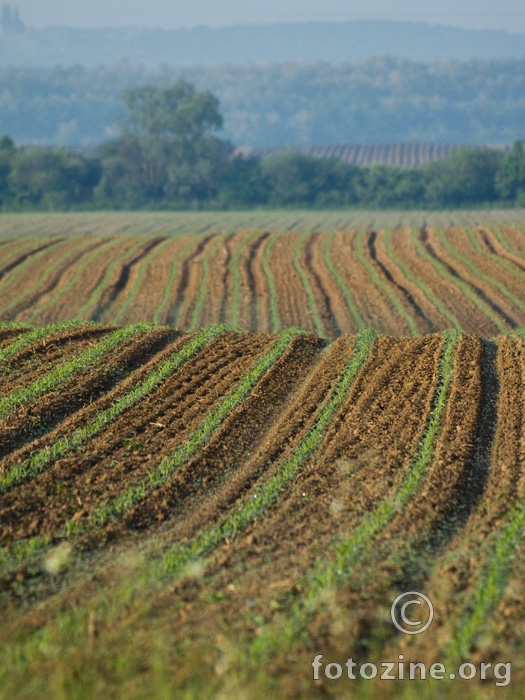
168	156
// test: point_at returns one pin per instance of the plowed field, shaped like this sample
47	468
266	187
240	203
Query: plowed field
402	282
199	514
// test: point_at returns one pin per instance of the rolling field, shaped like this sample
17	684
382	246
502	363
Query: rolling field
205	512
225	453
400	282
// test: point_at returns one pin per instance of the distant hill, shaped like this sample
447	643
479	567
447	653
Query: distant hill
345	42
380	101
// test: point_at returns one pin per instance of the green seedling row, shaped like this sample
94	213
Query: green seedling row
140	279
310	297
68	369
275	320
381	284
36	334
236	278
345	289
159	312
419	283
479	273
163	472
79	269
463	286
203	287
495	258
44	458
46	271
267	494
350	549
102	285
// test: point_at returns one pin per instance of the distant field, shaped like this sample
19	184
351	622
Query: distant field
400	282
168	223
199	515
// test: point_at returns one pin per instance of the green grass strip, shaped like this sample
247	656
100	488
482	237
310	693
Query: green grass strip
310	297
496	258
266	495
350	550
140	279
275	320
79	269
67	369
345	289
36	334
102	285
503	241
19	248
203	287
476	271
236	278
159	312
381	284
41	460
458	282
164	471
46	272
420	283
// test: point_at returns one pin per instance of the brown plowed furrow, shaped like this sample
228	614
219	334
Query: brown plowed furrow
312	260
292	300
8	335
458	238
455	572
29	254
58	274
254	289
373	306
41	357
515	237
492	244
325	499
499	305
150	295
43	415
126	277
236	455
420	308
188	281
133	444
217	287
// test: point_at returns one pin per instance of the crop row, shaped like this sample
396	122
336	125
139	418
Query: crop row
480	296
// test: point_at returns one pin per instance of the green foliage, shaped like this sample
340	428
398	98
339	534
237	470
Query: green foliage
42	459
510	180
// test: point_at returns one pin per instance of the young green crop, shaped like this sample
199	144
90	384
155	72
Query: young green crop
203	287
236	278
174	269
275	320
381	284
351	548
140	279
79	269
44	458
36	334
267	494
458	282
479	273
345	289
440	306
100	288
310	296
68	369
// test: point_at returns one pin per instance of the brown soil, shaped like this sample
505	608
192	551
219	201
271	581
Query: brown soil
292	301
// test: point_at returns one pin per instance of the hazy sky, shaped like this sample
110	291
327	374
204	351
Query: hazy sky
471	14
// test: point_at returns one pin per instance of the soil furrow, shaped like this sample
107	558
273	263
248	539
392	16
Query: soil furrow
22	258
255	288
134	442
110	296
50	410
465	278
184	293
321	292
